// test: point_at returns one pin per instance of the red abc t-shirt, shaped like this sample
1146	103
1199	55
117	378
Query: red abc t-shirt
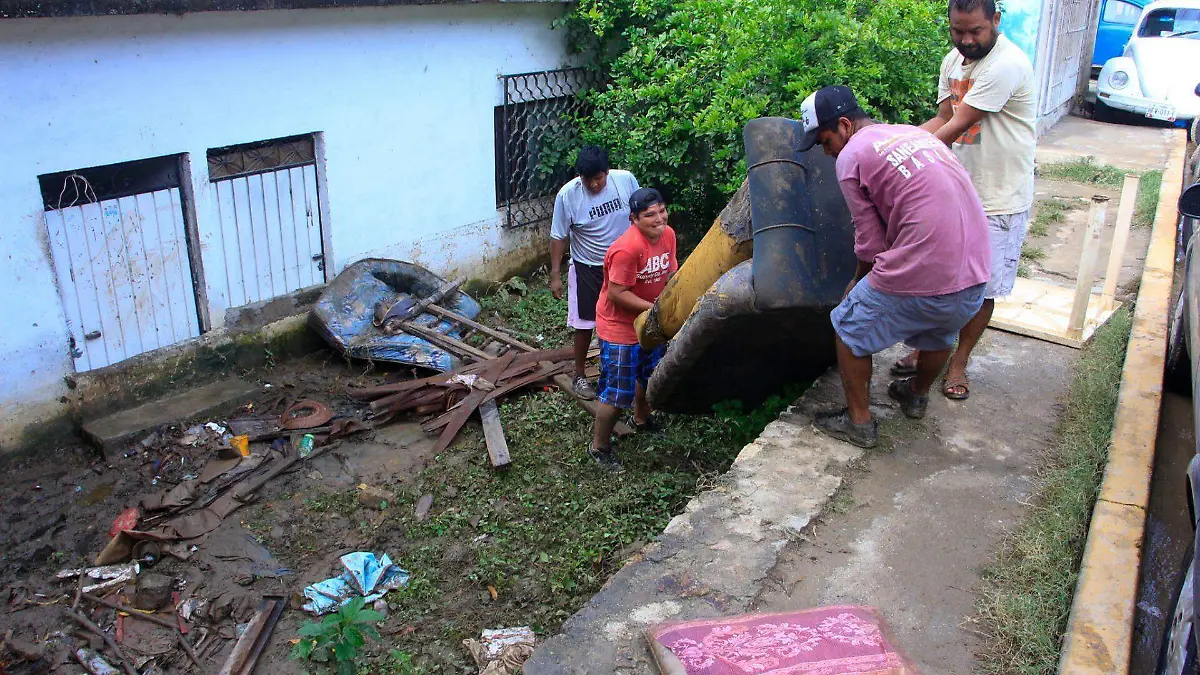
633	261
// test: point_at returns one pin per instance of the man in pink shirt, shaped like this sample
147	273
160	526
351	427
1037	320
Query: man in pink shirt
921	238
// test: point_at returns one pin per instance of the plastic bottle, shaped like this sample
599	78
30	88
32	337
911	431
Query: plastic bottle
306	445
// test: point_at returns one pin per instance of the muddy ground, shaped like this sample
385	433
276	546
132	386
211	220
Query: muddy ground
524	547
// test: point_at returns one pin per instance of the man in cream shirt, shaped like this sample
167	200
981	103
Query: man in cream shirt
987	115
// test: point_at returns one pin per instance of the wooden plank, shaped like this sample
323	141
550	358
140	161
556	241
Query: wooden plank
472	401
1087	267
456	347
490	332
1041	310
1116	253
493	435
540	374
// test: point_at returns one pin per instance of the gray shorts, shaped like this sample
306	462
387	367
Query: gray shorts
869	321
1007	235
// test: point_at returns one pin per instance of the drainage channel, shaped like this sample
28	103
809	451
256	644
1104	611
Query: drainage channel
1168	532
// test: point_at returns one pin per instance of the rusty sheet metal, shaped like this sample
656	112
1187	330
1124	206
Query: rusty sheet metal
305	414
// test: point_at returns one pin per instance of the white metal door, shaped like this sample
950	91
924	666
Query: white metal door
124	275
1072	19
270	220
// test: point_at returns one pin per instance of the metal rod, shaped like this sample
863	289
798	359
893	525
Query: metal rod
112	644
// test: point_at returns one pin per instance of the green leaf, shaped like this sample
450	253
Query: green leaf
344	651
353	637
312	629
368	616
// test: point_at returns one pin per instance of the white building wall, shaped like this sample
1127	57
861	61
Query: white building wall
404	97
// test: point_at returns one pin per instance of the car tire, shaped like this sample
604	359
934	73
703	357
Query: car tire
1104	113
1177	655
1177	377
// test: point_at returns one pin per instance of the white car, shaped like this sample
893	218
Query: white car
1159	74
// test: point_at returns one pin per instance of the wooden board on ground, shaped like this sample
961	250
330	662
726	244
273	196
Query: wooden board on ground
493	434
1042	310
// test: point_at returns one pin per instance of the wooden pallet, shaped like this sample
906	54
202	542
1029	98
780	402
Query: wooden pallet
1069	316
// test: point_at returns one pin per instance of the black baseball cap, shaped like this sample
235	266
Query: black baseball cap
644	198
821	107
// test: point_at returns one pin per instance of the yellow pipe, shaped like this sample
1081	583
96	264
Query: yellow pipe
716	254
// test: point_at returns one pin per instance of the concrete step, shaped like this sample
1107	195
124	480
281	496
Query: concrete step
115	431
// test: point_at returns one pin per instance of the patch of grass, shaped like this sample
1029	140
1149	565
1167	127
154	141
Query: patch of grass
1147	198
530	309
1050	212
1032	253
345	503
544	535
1084	171
1024	270
1087	172
1028	590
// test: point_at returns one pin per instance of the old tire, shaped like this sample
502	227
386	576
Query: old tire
1177	656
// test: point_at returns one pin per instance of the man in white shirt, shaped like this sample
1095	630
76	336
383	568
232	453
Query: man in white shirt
590	212
987	115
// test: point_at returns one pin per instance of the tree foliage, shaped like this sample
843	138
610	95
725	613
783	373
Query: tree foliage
686	75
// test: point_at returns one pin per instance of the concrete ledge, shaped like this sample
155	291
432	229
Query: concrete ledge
1100	629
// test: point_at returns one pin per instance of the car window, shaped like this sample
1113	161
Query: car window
1168	21
1118	11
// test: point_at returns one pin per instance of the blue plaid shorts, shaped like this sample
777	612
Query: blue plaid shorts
621	368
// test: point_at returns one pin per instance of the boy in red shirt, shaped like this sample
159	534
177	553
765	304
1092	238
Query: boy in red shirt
636	269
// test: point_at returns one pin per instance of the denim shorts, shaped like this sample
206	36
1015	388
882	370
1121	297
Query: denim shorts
621	368
869	321
1006	234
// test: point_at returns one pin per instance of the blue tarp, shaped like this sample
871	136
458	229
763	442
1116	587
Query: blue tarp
343	313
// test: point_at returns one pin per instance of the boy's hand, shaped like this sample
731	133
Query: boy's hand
556	287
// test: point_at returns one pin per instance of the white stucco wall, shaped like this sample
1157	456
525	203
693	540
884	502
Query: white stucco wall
403	95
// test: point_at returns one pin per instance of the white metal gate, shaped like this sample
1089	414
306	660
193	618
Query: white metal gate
122	262
270	222
1071	20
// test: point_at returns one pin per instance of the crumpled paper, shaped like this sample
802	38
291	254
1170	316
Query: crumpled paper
502	651
366	575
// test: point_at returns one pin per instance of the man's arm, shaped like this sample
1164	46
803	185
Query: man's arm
626	299
560	234
558	249
949	124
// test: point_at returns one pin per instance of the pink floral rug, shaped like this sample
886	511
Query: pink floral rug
841	640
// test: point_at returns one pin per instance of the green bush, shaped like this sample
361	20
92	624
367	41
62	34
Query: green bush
686	75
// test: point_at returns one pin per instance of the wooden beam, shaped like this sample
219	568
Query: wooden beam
486	330
1116	253
493	435
1087	267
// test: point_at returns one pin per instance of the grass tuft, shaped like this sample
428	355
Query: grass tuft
1032	253
1050	212
1027	592
1087	172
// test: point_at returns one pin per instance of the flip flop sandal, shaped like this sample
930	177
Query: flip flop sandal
951	383
905	367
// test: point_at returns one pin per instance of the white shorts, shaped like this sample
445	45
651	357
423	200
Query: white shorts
1007	234
587	291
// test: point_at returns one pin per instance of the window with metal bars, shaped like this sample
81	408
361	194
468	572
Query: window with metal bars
536	132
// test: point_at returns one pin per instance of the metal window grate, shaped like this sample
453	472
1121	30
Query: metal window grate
536	129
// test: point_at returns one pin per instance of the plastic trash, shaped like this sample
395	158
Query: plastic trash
306	445
95	663
502	651
366	575
241	444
